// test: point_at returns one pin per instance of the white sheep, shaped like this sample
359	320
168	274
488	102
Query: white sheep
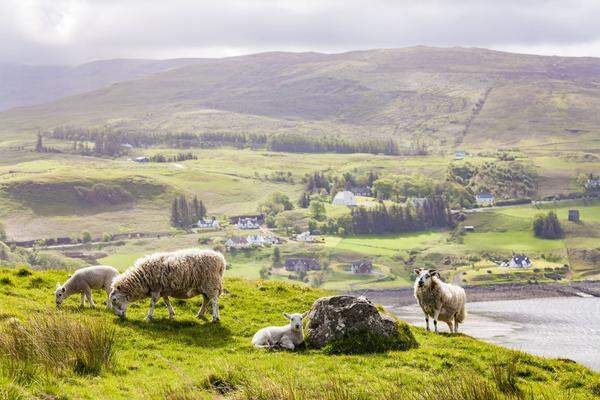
439	300
287	336
180	274
83	281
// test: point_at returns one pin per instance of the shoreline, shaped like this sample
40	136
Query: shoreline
480	293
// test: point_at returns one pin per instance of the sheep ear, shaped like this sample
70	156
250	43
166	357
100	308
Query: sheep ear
287	316
417	271
58	285
304	315
434	272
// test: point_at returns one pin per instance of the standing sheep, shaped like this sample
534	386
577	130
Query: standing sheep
442	301
83	281
288	336
180	274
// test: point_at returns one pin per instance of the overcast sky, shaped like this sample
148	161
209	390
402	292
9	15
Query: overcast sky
78	31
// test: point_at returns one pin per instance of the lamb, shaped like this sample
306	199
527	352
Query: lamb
442	301
85	279
287	336
181	274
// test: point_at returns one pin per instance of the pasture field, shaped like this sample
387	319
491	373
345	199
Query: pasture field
188	358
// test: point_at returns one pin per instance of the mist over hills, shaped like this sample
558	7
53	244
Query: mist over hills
450	96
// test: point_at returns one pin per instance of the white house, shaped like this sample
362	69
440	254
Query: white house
460	154
260	240
484	199
248	223
519	261
237	243
208	224
305	237
344	198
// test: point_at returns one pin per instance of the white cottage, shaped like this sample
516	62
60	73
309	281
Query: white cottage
344	198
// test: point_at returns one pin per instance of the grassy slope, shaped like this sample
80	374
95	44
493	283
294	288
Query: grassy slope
176	359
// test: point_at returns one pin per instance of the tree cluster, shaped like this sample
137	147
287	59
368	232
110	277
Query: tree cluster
184	213
161	158
547	226
297	143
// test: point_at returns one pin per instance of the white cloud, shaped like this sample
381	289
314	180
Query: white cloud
75	31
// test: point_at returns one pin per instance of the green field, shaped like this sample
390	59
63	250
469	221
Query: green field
191	359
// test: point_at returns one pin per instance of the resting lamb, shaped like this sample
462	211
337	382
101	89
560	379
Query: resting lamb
439	300
85	279
180	274
288	336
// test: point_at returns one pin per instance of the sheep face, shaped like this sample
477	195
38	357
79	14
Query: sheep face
59	294
425	277
119	302
295	320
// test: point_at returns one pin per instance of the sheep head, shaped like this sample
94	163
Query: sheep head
119	301
425	277
295	320
59	294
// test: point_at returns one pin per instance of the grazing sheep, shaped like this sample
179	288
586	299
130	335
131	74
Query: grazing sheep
83	281
180	274
442	301
288	336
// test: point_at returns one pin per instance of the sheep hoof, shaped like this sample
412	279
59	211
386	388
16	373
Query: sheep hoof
171	316
150	318
216	319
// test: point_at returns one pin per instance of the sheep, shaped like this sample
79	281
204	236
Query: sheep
85	279
442	301
181	274
287	336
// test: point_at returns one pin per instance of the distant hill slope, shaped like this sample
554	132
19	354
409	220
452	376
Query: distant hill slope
25	85
454	96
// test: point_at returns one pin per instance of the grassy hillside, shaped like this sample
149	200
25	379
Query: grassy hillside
191	359
450	96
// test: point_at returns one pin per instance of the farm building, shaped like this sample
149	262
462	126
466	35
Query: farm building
574	215
301	264
260	240
592	184
141	159
361	267
344	198
237	243
519	261
459	154
469	228
208	224
484	199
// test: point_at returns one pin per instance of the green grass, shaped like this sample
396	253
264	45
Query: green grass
384	245
516	241
587	212
190	359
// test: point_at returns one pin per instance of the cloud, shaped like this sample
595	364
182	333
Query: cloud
75	31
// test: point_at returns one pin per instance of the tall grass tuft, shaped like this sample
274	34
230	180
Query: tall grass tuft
459	387
504	374
57	344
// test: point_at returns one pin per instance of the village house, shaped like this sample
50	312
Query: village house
460	154
301	264
363	191
248	223
260	240
141	160
484	199
208	224
305	237
592	184
519	261
237	243
361	267
344	198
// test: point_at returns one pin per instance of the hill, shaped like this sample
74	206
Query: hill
25	85
448	96
191	359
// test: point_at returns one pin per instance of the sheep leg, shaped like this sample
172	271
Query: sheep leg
435	319
204	307
455	326
214	303
88	295
169	306
286	343
153	299
427	322
82	300
451	325
107	290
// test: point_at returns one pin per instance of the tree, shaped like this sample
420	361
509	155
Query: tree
86	237
39	145
276	257
547	226
276	203
304	200
317	210
2	233
175	213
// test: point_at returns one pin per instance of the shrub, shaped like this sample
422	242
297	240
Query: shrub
58	344
547	226
23	272
364	342
504	374
86	237
461	387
